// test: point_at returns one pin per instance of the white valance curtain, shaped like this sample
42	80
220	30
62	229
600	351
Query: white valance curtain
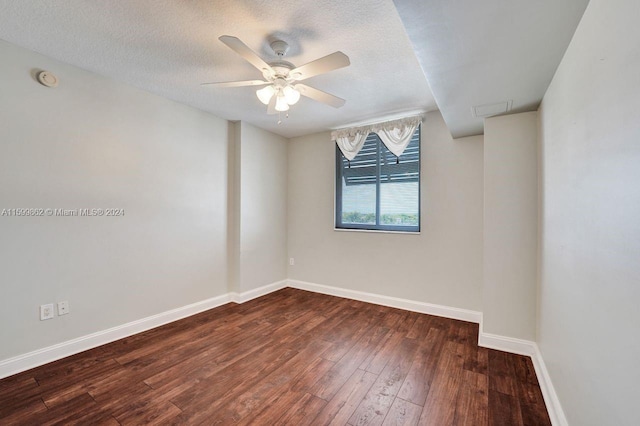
395	135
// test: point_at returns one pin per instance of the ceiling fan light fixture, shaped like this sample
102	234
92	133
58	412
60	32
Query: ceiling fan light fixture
291	95
265	94
281	104
281	77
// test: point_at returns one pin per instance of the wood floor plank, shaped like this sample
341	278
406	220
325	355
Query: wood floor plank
297	389
147	412
340	408
80	410
345	334
402	413
268	388
407	319
476	359
219	395
501	373
24	413
523	368
208	362
377	402
302	412
70	367
204	395
149	337
423	369
271	413
532	407
318	368
439	408
328	384
382	357
379	347
219	357
472	403
504	410
393	318
60	392
290	357
420	327
26	393
17	383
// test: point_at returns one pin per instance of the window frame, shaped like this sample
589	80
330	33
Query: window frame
377	227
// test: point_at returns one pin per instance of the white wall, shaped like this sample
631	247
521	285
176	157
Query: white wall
442	265
262	161
589	321
510	225
233	206
89	143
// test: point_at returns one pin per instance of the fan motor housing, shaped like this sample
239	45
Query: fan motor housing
282	68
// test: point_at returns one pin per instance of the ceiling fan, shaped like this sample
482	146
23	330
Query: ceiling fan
281	78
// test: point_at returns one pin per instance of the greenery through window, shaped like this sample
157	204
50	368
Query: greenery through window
378	191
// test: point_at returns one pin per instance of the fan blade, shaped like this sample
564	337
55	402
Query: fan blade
319	95
237	83
243	50
271	109
320	66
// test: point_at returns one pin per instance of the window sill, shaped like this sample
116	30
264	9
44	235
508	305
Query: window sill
376	231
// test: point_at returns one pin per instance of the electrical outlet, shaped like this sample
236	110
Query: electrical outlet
63	308
46	312
292	261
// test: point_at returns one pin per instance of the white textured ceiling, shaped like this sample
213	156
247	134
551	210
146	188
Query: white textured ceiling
170	47
483	52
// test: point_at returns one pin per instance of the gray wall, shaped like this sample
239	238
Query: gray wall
196	204
589	319
510	225
89	143
202	216
442	265
263	207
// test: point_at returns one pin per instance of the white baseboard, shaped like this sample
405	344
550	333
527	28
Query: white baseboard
257	292
556	413
393	302
42	356
529	348
506	344
55	352
487	340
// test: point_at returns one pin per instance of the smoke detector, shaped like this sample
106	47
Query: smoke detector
47	79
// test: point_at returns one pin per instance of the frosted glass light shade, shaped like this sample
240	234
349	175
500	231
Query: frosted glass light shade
265	94
281	104
291	95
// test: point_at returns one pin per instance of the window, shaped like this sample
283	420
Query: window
378	191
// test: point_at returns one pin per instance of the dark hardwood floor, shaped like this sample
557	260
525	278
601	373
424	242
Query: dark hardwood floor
291	357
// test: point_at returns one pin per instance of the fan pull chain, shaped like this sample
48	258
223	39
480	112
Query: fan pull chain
397	159
349	163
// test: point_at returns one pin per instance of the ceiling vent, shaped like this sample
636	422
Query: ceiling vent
489	110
